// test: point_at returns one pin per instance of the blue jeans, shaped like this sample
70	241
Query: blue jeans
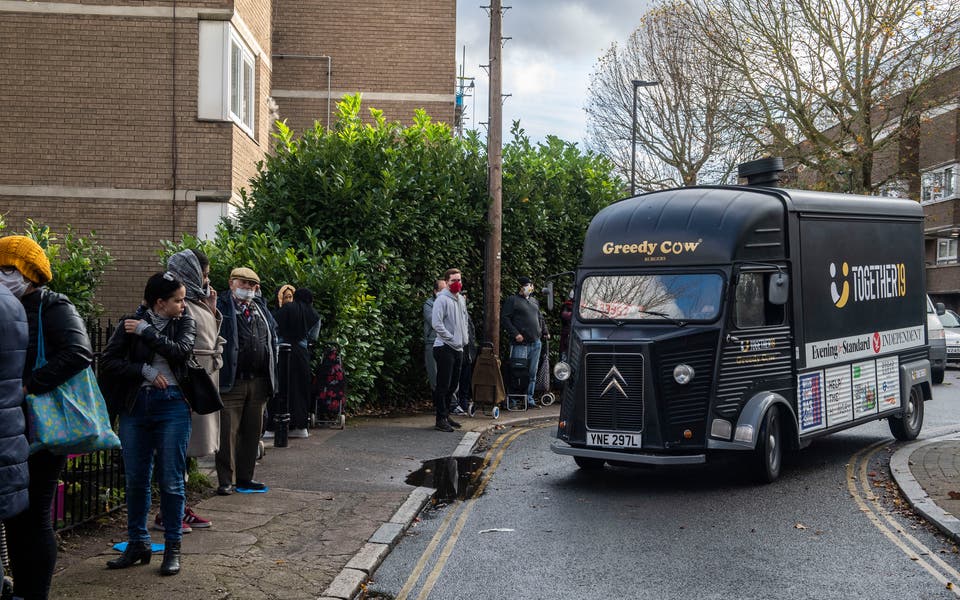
158	424
533	358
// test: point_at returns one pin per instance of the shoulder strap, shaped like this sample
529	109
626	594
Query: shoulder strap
41	350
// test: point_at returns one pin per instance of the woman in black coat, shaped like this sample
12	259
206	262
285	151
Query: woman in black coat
298	324
145	362
24	270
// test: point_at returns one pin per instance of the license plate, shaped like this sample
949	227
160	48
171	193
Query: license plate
613	440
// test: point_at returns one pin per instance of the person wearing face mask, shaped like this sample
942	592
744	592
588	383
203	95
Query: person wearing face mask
24	271
147	358
193	269
429	334
449	321
525	325
248	379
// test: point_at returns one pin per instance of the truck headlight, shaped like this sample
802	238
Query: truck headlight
562	371
683	374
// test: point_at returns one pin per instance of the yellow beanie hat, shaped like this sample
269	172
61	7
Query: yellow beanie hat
27	256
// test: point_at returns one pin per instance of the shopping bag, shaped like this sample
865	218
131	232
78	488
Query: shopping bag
199	390
72	418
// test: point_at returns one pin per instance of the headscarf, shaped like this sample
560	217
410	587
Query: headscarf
186	266
295	319
284	288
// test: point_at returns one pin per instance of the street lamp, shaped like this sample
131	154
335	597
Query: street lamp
637	83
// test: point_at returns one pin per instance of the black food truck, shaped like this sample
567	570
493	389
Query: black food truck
747	318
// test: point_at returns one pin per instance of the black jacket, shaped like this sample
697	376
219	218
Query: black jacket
121	367
66	343
522	315
14	448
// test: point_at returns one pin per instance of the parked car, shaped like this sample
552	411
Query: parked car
938	342
951	333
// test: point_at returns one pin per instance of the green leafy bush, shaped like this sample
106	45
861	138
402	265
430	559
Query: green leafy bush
78	263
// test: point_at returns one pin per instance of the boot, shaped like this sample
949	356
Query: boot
135	552
171	558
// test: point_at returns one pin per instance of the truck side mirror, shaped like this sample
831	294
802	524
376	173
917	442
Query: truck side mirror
941	309
779	288
549	292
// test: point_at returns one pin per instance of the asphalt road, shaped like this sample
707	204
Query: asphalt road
831	527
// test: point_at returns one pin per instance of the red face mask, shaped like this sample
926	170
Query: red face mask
455	287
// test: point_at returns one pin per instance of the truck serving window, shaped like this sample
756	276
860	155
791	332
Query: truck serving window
685	297
751	306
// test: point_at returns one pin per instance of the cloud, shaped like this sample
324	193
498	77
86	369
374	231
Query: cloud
547	63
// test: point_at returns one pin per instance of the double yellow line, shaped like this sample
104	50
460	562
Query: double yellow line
461	512
858	483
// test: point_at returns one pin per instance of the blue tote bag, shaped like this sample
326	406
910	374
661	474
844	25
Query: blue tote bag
71	419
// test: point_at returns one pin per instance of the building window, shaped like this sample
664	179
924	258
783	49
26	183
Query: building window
946	251
241	84
896	188
939	184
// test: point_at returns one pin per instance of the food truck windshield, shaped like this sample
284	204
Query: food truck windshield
675	297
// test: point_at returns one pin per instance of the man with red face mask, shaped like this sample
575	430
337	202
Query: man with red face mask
450	321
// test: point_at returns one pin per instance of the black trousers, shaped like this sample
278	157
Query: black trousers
30	538
448	376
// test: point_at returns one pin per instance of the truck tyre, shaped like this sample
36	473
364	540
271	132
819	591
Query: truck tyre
588	464
907	426
768	457
937	375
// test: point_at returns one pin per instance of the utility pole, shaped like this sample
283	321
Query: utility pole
491	298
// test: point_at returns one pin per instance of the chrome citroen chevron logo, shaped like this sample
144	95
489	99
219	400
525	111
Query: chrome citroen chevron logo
614	379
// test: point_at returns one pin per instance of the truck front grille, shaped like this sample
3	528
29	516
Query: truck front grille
614	391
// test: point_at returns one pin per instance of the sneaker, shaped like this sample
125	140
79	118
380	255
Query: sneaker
456	410
225	490
194	520
453	423
158	525
532	404
268	435
299	433
443	426
251	485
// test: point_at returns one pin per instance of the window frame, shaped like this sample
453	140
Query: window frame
767	307
947	259
939	184
245	88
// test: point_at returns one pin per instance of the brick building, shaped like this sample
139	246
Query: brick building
142	120
925	165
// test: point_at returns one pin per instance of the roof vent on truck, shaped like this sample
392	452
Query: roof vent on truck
763	172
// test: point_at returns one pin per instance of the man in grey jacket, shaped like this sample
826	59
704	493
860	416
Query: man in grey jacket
450	325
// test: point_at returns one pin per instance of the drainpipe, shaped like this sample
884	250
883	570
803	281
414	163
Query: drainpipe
329	73
173	124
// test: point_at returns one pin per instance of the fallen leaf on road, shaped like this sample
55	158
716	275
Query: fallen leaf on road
949	585
799	526
954	495
872	473
496	530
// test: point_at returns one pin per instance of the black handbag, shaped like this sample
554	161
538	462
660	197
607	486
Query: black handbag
199	390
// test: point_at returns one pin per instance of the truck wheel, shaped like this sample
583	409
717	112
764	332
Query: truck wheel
588	464
768	456
937	375
907	427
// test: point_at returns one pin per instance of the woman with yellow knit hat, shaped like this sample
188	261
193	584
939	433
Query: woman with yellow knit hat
24	270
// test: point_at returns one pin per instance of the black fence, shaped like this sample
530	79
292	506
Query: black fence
91	485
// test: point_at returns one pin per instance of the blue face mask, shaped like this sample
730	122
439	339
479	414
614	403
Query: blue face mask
15	283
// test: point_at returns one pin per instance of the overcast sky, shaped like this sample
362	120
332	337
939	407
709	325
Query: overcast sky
547	64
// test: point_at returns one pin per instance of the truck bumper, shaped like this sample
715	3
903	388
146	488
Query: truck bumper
561	447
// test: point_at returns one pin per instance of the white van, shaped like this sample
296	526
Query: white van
938	342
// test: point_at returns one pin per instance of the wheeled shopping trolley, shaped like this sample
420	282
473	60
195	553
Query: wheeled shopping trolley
328	388
487	384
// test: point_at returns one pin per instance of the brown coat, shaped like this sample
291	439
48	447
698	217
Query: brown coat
208	349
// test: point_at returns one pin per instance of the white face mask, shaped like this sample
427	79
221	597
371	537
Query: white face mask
243	295
15	283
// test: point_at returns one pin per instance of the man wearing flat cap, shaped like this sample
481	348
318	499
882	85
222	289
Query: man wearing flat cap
522	319
247	379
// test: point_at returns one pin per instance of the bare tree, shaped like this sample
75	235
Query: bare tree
833	83
685	133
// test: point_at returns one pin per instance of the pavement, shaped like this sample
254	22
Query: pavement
928	474
338	502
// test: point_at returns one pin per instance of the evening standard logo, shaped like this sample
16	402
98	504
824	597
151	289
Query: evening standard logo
827	352
648	248
869	282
